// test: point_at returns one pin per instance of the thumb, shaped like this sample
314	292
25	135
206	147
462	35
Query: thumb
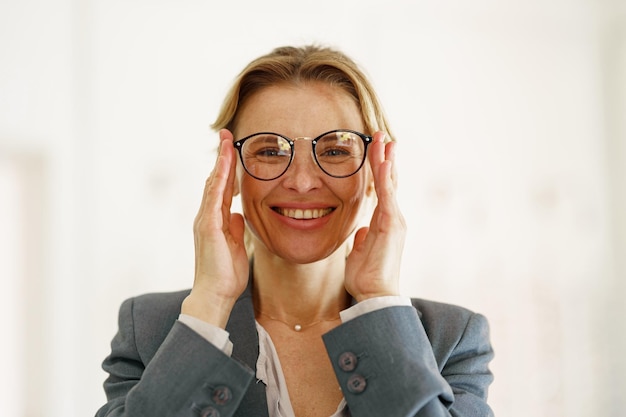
360	236
237	227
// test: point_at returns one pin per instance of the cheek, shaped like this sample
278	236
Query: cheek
246	192
252	193
356	194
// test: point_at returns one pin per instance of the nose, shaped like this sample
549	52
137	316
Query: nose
303	174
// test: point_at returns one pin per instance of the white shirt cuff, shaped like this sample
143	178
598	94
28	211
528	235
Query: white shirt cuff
217	336
373	304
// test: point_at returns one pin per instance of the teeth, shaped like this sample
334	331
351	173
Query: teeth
304	214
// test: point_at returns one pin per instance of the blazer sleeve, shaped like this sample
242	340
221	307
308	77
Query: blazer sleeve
187	376
387	365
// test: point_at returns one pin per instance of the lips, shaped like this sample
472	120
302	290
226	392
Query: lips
303	214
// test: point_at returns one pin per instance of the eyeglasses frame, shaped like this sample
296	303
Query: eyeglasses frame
367	140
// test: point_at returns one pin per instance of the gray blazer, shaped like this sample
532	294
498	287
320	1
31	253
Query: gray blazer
427	360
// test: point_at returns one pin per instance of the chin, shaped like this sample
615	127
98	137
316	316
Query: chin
301	251
300	255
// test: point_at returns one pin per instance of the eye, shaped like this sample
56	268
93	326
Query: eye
339	146
266	148
267	152
334	152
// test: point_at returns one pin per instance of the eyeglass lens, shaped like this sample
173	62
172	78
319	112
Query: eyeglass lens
267	156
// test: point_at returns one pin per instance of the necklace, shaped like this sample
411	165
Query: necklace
297	327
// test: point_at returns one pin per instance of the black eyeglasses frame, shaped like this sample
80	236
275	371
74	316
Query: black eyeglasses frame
367	140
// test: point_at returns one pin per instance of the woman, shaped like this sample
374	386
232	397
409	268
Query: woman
303	317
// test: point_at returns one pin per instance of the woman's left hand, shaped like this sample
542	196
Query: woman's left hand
373	266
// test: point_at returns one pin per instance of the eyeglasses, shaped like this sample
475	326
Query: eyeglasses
339	153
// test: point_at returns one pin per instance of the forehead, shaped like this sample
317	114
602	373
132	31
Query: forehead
306	109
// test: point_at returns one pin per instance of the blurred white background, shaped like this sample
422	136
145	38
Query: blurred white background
511	118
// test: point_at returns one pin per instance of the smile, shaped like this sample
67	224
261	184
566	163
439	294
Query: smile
303	214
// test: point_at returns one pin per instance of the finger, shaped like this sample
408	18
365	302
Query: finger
381	161
237	228
375	156
390	155
377	151
228	151
360	236
387	213
215	191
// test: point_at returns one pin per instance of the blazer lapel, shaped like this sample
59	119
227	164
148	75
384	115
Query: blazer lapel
242	328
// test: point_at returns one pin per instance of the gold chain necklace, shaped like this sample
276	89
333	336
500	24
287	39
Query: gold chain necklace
296	327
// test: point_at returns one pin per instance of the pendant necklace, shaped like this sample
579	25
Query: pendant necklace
296	327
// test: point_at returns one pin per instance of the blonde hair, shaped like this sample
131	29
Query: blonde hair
296	65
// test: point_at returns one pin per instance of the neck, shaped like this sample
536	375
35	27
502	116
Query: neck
299	294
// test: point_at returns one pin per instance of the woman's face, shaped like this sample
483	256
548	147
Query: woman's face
273	209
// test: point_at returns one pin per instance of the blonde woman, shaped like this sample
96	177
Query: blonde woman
294	310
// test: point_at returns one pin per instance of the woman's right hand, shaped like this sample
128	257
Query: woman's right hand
221	267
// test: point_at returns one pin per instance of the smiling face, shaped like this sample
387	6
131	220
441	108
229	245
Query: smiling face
304	215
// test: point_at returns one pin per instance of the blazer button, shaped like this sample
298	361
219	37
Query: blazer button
357	384
347	361
209	412
222	395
